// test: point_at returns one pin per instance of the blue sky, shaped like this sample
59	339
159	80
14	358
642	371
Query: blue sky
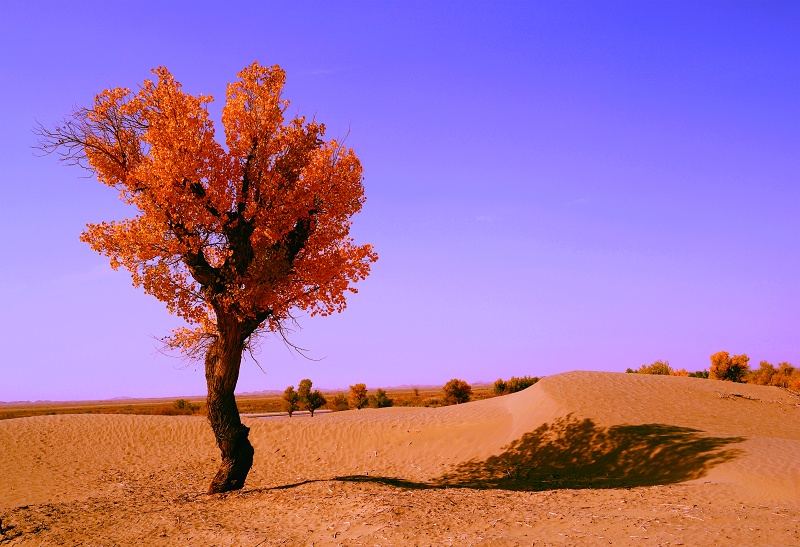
550	186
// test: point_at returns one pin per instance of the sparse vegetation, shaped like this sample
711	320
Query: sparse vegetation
785	376
430	396
660	368
456	392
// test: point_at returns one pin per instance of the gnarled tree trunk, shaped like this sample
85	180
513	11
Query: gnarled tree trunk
223	359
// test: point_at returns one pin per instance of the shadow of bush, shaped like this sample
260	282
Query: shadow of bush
572	453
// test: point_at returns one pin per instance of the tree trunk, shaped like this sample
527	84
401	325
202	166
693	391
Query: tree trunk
223	359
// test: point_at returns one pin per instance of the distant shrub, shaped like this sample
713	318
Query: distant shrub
658	367
172	410
699	374
380	399
456	391
358	396
339	403
725	367
290	401
185	404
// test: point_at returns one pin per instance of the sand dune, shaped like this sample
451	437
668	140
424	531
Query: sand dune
594	435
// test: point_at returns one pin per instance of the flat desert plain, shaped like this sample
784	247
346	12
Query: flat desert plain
581	458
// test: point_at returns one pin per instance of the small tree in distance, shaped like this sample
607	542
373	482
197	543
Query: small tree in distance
725	367
358	396
457	391
290	400
380	399
339	403
310	400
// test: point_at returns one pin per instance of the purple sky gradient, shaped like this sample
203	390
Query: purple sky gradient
550	186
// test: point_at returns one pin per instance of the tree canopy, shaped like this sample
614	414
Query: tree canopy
247	231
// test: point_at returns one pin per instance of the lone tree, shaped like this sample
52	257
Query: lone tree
310	400
457	391
232	239
291	400
358	396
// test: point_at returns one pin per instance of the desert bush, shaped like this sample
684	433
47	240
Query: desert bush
514	384
358	396
339	403
310	400
380	399
170	410
456	391
185	404
661	368
725	367
290	400
699	374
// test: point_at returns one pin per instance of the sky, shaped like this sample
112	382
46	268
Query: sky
550	186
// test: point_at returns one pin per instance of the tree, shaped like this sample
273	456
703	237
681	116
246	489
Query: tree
291	400
310	400
358	396
339	403
231	238
725	367
762	376
380	399
457	391
499	387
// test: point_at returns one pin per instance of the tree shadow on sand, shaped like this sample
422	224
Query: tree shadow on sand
572	453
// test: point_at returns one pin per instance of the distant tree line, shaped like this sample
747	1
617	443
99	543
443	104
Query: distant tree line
455	391
733	368
513	384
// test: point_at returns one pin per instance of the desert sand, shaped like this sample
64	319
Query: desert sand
581	458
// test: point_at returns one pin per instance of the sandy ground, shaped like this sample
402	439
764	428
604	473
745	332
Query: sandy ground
581	458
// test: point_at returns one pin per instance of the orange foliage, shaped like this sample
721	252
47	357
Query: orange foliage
248	231
786	376
725	367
